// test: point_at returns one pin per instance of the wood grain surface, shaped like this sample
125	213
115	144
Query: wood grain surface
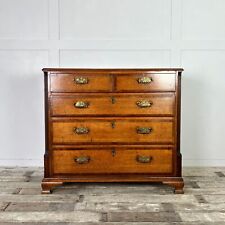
113	130
112	161
116	104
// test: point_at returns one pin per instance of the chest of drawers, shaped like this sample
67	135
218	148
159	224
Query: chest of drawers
112	125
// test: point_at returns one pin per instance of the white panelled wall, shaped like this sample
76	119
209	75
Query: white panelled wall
112	33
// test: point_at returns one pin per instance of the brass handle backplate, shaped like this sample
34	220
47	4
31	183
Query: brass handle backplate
144	159
81	80
82	159
81	104
144	80
144	103
81	130
144	130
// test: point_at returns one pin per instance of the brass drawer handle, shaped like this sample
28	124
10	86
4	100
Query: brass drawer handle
144	80
81	104
81	130
144	130
144	103
144	159
82	159
81	80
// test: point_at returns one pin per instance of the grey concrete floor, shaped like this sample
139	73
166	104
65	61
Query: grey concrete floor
112	203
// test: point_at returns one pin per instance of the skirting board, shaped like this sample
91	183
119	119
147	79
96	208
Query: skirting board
21	162
186	162
204	162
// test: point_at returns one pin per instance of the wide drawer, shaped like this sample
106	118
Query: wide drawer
112	161
145	82
114	130
130	104
81	82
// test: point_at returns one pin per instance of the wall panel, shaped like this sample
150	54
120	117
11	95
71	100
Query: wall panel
203	107
23	19
22	109
119	58
117	19
203	19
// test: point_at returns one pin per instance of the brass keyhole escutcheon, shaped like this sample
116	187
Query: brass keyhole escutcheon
113	124
113	152
113	99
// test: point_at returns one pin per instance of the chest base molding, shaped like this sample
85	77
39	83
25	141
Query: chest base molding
49	184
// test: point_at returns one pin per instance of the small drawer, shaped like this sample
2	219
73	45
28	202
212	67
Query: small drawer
128	104
117	160
114	130
81	82
145	82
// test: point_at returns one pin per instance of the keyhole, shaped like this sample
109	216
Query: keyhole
113	100
113	152
113	124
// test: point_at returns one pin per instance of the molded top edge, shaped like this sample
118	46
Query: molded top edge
110	69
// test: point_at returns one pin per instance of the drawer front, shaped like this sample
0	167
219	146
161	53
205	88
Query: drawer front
114	131
81	82
112	161
145	104
145	82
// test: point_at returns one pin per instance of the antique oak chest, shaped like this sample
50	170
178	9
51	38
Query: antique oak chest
112	125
